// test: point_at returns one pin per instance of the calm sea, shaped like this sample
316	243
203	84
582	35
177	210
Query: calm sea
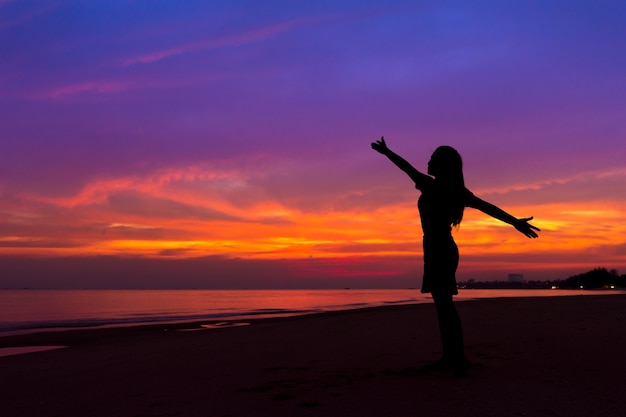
24	311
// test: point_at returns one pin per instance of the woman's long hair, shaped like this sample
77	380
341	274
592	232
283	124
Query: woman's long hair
447	167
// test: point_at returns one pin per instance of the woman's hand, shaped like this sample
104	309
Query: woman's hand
526	228
380	146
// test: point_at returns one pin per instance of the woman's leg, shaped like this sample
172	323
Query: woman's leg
451	332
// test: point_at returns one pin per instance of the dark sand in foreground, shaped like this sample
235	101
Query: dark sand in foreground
561	356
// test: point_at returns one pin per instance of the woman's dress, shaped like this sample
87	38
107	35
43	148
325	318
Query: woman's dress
441	254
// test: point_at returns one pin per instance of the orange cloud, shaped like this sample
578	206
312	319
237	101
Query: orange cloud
197	211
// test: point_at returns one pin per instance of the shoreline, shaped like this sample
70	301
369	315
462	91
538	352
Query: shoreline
210	321
90	322
539	356
186	324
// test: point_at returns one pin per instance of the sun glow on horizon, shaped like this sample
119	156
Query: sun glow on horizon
164	216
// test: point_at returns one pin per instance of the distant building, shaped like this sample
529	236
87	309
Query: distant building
515	278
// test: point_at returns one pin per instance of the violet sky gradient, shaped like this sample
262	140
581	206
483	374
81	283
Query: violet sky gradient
275	103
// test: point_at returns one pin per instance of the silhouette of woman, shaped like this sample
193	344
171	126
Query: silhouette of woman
441	204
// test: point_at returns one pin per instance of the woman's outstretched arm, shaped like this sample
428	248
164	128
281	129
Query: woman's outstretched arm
417	177
521	225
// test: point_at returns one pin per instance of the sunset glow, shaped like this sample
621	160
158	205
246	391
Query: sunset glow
240	133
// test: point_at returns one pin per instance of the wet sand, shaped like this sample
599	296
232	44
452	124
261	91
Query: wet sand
549	356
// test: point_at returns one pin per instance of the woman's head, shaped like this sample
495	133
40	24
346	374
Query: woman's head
446	166
446	163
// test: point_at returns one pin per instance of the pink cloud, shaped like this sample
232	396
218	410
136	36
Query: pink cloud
102	87
166	184
112	86
236	39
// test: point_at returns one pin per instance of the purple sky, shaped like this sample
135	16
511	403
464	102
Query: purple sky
275	103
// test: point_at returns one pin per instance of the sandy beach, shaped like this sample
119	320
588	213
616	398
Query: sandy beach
547	356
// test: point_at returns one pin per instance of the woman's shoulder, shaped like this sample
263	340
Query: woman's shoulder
468	197
425	183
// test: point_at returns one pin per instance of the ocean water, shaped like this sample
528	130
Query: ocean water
25	311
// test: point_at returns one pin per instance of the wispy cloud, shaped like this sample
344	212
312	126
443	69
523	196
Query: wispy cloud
102	86
110	86
99	191
151	207
199	192
589	180
235	39
37	243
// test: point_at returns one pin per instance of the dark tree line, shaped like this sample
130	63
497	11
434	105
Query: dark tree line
594	279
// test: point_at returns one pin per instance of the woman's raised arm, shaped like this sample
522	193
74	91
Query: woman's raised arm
420	179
